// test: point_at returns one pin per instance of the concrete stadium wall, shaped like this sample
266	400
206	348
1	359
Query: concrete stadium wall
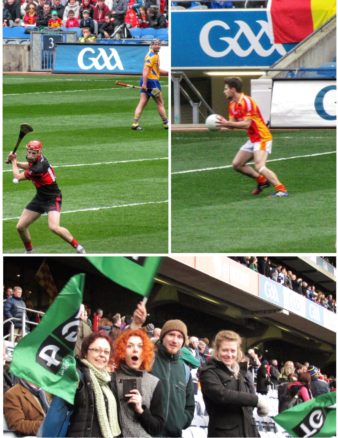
16	57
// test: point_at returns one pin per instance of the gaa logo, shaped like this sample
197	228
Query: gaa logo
99	59
311	424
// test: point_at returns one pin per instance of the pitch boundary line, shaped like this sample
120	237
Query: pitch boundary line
138	160
134	204
65	91
229	166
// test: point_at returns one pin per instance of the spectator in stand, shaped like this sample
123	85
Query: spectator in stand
274	373
15	307
178	390
96	319
83	330
331	304
253	263
71	6
141	408
203	352
44	16
287	278
317	386
31	15
254	362
143	19
296	284
25	407
87	6
120	8
156	19
55	22
8	293
24	5
87	21
288	368
131	18
116	327
58	7
263	378
72	21
11	10
40	5
263	265
149	3
228	391
101	10
106	29
156	335
296	390
193	346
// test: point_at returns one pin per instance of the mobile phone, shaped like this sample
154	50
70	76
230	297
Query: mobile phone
128	385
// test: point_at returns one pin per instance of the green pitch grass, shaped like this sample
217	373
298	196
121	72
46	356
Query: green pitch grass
214	211
116	199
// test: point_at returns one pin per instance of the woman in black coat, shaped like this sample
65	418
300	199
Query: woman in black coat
228	391
263	378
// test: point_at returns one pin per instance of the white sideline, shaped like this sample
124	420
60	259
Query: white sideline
138	160
229	166
135	204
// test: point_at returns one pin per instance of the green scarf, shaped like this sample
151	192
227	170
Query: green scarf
109	424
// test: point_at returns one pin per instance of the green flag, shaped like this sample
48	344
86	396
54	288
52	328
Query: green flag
134	273
314	418
46	355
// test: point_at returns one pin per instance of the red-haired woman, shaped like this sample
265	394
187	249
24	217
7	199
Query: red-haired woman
141	408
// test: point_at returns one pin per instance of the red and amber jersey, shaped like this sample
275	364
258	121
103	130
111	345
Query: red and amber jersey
43	177
247	109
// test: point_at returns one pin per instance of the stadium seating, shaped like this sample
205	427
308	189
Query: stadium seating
149	33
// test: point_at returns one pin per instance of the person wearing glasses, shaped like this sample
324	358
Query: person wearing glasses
95	412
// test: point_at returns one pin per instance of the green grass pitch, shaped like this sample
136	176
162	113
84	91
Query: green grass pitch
116	199
214	211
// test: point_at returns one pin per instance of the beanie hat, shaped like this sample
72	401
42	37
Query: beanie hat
174	324
313	371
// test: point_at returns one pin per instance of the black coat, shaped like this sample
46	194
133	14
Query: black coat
84	421
229	401
263	380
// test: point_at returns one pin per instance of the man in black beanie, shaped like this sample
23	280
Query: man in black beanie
178	390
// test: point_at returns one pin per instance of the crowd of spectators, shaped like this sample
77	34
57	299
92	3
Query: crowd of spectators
114	348
289	279
103	18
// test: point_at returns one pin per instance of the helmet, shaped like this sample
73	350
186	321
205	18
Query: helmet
34	145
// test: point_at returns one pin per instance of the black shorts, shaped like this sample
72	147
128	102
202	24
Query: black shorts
42	204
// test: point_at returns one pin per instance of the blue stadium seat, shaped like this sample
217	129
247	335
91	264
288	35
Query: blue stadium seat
136	32
162	34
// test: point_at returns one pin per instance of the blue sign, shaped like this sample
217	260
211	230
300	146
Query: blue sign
99	58
314	312
271	291
227	38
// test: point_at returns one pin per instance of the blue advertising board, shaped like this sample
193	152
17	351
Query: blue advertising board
220	39
99	58
271	291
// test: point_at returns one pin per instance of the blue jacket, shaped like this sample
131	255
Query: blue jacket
11	309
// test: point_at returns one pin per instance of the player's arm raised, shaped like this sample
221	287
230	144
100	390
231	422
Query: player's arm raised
20	176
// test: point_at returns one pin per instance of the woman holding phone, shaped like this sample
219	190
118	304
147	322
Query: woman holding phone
139	393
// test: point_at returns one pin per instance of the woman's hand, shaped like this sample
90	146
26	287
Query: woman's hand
136	398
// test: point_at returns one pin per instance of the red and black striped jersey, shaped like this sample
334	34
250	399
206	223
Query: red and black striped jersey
42	175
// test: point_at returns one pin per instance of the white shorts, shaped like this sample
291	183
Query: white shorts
249	146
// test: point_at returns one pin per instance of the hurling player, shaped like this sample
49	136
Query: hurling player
48	196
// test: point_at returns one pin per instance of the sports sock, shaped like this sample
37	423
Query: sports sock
280	188
74	243
28	245
136	120
261	179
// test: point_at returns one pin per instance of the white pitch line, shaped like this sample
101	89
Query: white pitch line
135	204
229	166
65	91
139	160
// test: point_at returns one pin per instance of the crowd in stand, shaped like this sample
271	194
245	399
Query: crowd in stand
104	18
140	380
289	279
